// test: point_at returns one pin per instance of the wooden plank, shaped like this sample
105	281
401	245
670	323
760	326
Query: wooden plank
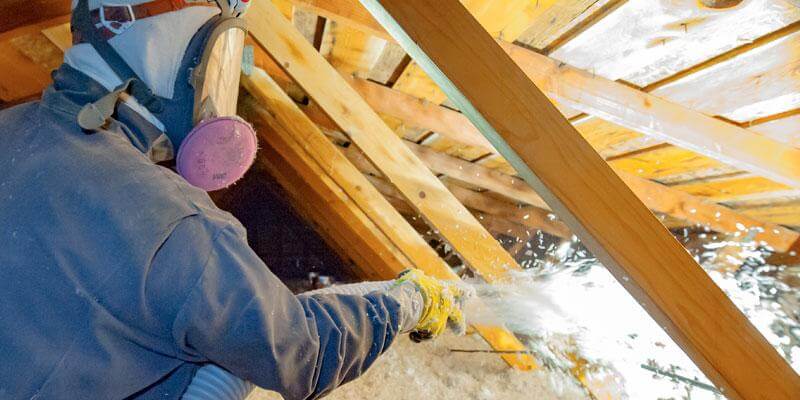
420	113
477	175
755	84
659	198
670	164
505	20
531	217
613	224
669	37
556	21
784	214
610	139
727	189
292	130
667	121
349	12
497	226
369	133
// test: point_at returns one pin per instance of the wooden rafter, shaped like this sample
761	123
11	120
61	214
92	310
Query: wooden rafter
302	62
530	217
366	130
595	203
657	197
305	148
428	116
637	110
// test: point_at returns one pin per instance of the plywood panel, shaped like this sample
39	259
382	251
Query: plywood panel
785	214
761	82
612	140
353	52
669	36
669	164
785	130
557	20
720	190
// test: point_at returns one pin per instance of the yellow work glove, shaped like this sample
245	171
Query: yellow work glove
443	303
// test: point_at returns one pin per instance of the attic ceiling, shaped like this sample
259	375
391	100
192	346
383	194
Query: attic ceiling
738	63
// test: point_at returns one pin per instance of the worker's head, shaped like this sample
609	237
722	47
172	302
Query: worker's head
181	61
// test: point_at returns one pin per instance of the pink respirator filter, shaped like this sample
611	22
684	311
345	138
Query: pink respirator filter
217	153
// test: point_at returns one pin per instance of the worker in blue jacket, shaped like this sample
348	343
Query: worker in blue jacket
120	278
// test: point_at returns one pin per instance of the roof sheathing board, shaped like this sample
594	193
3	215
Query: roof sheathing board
644	41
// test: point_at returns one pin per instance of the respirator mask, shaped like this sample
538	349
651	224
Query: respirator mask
215	148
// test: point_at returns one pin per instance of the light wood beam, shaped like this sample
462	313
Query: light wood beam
306	144
347	11
296	127
366	130
657	197
530	217
660	118
614	225
301	61
642	112
428	116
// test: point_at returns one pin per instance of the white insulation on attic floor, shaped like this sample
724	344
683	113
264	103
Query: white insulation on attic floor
412	371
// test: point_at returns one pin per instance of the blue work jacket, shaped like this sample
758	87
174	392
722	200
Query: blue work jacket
119	280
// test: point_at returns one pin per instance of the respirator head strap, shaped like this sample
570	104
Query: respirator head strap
86	30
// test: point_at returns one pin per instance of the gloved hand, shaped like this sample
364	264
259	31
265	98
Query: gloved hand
442	304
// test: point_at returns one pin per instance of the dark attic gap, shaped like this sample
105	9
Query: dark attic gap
291	247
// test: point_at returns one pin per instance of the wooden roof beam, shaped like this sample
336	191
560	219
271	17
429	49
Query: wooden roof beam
635	109
530	217
659	198
325	86
453	124
337	189
581	188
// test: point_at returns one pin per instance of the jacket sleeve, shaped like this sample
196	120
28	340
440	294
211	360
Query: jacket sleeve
241	317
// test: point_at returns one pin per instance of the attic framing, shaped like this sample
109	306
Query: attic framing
466	179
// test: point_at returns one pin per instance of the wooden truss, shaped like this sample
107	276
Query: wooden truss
497	90
516	117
